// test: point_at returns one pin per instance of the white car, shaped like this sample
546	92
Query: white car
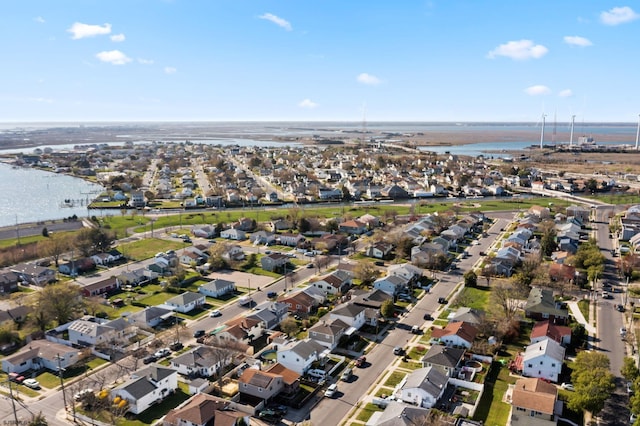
331	390
215	313
82	394
567	386
161	353
31	383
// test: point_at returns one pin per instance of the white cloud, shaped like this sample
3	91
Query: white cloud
80	30
307	103
577	41
536	90
170	70
145	61
369	79
618	15
519	50
566	93
114	57
39	19
277	20
117	38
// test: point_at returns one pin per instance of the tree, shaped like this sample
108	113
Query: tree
365	272
592	381
45	232
55	246
629	369
289	326
548	241
387	309
94	240
38	420
59	302
470	279
505	299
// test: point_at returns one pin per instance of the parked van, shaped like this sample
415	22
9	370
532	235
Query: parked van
317	373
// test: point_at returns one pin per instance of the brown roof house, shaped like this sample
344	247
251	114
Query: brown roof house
262	384
205	410
455	334
546	330
534	403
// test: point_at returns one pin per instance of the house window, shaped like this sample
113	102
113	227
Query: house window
529	365
540	362
553	364
259	389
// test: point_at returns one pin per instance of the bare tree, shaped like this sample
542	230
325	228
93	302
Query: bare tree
505	299
223	352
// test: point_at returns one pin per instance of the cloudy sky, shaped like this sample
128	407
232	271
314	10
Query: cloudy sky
219	60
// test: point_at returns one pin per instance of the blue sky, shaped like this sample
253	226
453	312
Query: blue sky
251	60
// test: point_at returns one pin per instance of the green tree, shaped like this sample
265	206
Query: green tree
289	326
592	381
38	420
365	272
59	302
470	279
548	242
387	309
629	369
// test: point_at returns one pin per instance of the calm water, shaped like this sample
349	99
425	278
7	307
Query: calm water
30	195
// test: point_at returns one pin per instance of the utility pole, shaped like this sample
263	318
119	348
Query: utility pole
64	394
13	403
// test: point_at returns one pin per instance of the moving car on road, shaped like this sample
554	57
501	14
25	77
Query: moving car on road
331	390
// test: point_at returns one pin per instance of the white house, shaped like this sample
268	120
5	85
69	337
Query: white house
424	387
544	360
233	234
391	284
146	387
298	356
351	314
455	334
40	354
95	331
202	361
150	317
186	302
407	271
217	288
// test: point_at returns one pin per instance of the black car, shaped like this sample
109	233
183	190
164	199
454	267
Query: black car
149	359
176	346
427	317
442	300
198	333
272	294
279	409
620	308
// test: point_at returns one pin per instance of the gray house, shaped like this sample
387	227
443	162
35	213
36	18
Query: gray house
217	288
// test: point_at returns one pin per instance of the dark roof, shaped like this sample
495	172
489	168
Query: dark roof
443	355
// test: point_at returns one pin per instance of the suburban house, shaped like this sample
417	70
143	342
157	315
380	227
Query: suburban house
534	403
233	252
92	331
150	317
542	306
289	239
299	302
34	274
270	314
469	315
299	355
424	387
205	410
352	227
217	288
399	414
391	284
353	315
8	281
39	354
105	259
274	261
101	287
186	302
16	314
233	234
543	359
447	359
263	238
290	378
260	384
203	361
189	258
77	266
136	277
337	282
241	329
147	387
546	330
455	334
205	231
328	333
379	250
407	271
370	299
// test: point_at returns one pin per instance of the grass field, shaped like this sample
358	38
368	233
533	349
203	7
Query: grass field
144	249
474	298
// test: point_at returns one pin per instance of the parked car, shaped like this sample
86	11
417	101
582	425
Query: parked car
331	390
427	317
198	333
31	383
149	359
309	265
280	409
176	346
398	350
623	332
442	300
80	395
15	377
360	361
346	375
272	294
567	386
161	353
620	308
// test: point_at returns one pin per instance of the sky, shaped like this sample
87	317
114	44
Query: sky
330	60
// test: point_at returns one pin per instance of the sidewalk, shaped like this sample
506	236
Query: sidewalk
577	314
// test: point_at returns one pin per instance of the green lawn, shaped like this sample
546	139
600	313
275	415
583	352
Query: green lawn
148	247
583	305
367	411
474	298
156	299
96	362
491	410
394	379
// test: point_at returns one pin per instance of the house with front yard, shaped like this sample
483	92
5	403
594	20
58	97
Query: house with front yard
543	360
136	277
34	274
217	288
289	239
351	314
242	329
290	378
534	402
379	250
399	414
337	282
106	259
424	387
471	316
147	387
233	234
541	305
39	354
150	317
391	284
370	299
328	333
186	302
448	359
299	302
299	355
206	410
353	227
202	361
407	271
455	334
271	314
274	261
263	238
191	258
105	286
260	384
8	281
92	331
